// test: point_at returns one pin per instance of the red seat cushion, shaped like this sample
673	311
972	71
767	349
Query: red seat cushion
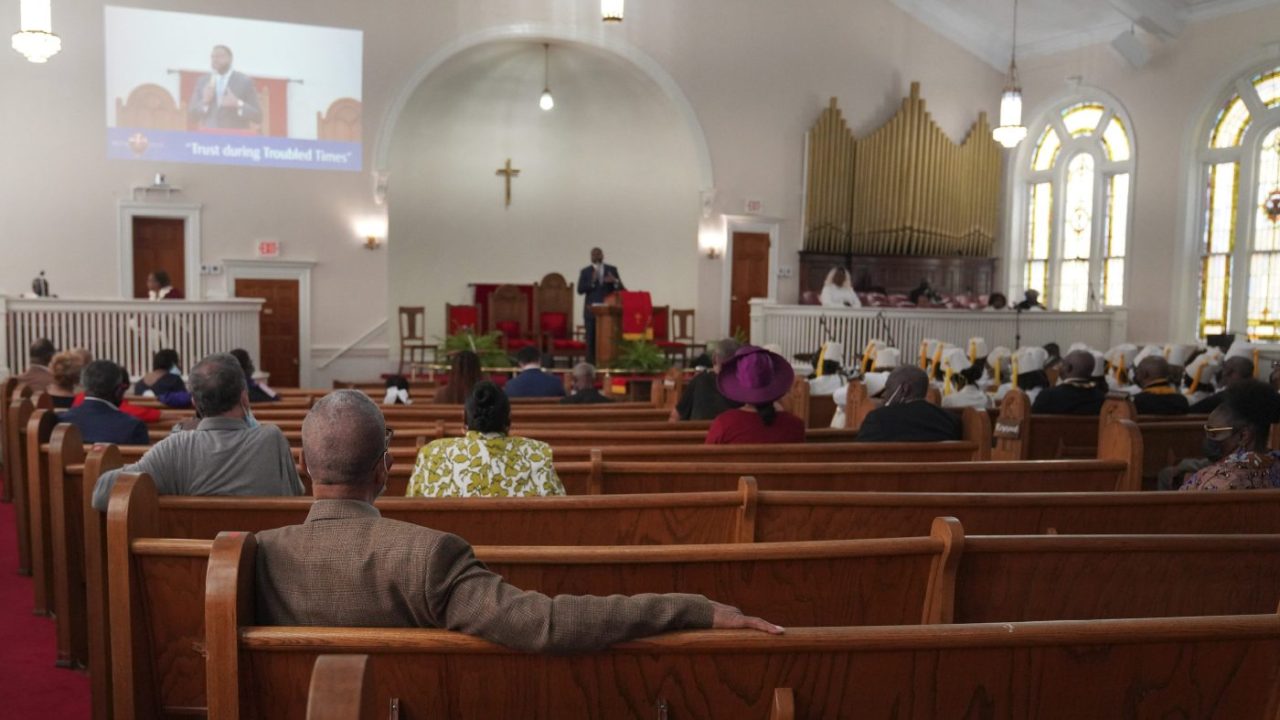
568	345
555	324
668	345
660	325
510	329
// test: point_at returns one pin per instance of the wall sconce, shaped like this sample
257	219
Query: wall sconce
372	242
711	238
373	230
713	253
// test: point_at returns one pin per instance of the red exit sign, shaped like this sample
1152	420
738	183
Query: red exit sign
268	248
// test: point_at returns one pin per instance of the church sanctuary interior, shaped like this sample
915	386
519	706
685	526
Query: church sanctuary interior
728	359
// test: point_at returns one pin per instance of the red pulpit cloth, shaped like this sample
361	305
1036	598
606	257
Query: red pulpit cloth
637	315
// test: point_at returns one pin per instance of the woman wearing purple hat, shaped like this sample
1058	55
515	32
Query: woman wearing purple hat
756	378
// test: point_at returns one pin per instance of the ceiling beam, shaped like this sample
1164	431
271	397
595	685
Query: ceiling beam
1158	17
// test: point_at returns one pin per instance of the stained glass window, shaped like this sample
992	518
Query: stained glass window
1240	235
1079	186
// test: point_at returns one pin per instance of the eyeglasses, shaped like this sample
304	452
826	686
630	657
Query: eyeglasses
1212	430
385	448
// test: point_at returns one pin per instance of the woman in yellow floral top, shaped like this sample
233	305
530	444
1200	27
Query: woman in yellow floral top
1236	441
486	462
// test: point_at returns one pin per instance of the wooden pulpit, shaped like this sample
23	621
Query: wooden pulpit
608	330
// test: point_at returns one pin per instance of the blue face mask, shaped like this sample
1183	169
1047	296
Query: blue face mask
249	419
173	370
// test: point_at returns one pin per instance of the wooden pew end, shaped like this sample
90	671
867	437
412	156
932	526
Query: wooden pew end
784	705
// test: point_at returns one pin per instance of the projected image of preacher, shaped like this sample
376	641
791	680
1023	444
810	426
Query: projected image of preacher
225	98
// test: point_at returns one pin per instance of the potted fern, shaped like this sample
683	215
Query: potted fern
641	357
488	347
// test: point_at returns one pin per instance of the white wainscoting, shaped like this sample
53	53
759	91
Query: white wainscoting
802	328
127	331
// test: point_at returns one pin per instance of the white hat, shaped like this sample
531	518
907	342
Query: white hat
1178	354
875	382
1206	367
1127	351
977	348
956	360
886	357
1031	359
874	345
1099	363
1242	349
999	353
832	351
1146	352
1079	346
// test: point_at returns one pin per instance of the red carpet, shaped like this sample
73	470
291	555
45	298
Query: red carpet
30	686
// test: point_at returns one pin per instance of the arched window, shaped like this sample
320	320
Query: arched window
1078	184
1240	211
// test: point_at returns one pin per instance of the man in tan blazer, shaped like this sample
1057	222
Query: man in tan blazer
37	376
349	566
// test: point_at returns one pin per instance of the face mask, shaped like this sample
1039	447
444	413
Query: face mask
1214	450
249	419
173	370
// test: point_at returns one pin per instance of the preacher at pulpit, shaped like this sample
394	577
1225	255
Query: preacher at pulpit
596	281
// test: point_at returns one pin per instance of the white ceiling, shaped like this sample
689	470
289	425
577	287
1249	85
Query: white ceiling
1049	26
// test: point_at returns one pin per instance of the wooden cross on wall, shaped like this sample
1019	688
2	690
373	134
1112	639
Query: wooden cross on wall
508	173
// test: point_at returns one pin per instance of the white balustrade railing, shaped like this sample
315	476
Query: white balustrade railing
803	328
128	331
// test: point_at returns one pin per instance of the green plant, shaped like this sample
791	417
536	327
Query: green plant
488	347
641	356
740	334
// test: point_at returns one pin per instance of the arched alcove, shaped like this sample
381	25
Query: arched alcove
615	164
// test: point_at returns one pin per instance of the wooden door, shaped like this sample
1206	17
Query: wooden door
750	278
278	330
159	243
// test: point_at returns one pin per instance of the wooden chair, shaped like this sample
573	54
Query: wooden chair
413	339
674	350
150	107
342	121
553	318
682	327
509	316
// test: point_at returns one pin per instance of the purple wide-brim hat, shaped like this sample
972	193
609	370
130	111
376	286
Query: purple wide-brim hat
755	376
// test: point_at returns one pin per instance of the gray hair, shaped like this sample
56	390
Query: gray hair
216	384
584	369
343	436
725	349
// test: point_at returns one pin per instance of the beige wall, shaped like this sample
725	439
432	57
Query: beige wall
755	74
1166	100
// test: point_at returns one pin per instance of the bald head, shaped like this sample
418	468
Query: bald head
906	384
1151	370
342	438
1235	370
1077	365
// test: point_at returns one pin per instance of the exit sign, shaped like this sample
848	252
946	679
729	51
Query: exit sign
268	248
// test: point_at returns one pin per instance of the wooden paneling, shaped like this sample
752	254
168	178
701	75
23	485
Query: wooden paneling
949	275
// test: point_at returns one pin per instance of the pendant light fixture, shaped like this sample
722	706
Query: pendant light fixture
546	102
611	10
1011	130
36	40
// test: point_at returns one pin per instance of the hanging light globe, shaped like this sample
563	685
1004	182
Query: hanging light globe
36	41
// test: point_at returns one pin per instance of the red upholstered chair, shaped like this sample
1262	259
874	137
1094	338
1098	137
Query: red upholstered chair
508	312
552	318
458	318
662	336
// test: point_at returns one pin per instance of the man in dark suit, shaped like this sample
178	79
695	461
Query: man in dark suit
349	566
584	387
1159	395
99	418
907	416
1078	393
532	381
596	282
224	98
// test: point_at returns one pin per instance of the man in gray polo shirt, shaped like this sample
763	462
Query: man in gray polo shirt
228	453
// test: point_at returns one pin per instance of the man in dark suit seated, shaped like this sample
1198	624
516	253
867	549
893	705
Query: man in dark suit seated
349	566
906	415
1078	393
1159	396
99	418
596	282
532	381
584	387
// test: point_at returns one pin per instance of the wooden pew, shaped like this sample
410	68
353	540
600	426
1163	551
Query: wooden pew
1020	435
1043	577
781	516
1166	440
156	590
341	689
1167	667
18	413
40	529
7	388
